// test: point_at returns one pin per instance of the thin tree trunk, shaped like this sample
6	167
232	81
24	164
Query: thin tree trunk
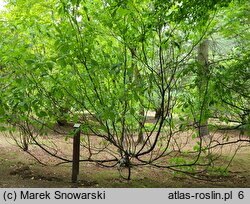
137	77
203	75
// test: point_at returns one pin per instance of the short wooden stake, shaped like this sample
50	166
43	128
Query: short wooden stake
76	153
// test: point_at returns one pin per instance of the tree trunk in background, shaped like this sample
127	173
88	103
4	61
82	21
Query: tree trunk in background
137	77
203	85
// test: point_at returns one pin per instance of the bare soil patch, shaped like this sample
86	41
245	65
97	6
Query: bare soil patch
19	169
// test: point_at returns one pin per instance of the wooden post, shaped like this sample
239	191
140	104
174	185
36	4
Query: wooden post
76	153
